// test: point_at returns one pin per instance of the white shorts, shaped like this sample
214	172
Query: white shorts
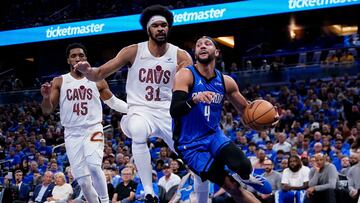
158	122
84	145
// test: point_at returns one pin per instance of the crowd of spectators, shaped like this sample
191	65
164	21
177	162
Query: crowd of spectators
319	122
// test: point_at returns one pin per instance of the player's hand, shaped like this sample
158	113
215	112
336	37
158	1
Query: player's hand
83	66
205	97
46	90
276	118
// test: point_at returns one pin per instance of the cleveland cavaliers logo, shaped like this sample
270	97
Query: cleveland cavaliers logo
79	93
154	75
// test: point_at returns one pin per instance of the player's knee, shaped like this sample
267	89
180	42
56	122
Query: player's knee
137	129
94	168
236	160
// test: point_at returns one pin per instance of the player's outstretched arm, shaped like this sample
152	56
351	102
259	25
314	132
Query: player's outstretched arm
234	95
125	56
110	99
51	94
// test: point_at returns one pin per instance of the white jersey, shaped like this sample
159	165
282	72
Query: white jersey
150	79
80	103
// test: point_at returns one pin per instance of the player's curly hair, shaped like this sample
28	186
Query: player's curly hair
74	46
156	10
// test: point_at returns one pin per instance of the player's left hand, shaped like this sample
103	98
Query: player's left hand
276	118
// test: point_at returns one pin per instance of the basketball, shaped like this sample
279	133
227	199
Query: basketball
259	115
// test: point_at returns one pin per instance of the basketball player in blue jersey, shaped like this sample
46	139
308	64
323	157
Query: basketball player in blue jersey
149	91
196	106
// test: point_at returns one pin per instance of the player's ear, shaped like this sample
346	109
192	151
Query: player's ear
68	61
217	52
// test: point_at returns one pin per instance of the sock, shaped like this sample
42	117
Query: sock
201	189
142	161
87	189
99	180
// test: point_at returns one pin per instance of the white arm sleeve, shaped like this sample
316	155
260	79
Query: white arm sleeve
117	104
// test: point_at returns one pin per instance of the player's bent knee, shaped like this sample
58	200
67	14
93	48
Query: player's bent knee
138	129
236	160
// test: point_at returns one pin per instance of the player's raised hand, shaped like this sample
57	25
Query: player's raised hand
276	118
83	67
46	90
205	97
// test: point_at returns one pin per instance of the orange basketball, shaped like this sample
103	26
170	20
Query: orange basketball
259	115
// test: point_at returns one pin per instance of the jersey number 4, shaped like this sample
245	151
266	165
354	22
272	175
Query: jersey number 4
80	108
152	94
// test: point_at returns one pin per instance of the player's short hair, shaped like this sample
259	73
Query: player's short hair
213	41
74	46
156	10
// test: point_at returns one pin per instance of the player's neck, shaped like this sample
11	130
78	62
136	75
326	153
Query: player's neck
76	76
206	70
157	50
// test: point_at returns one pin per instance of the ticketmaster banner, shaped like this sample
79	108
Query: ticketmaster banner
227	11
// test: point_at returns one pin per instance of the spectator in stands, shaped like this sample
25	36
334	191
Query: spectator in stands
294	181
110	186
22	189
354	176
345	165
353	159
125	191
44	190
282	144
322	181
164	155
120	162
283	165
259	164
169	179
274	178
62	190
317	149
44	149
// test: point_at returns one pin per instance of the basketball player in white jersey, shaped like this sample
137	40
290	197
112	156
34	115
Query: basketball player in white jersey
81	115
149	90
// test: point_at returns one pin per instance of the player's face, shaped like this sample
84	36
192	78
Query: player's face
158	32
205	50
75	56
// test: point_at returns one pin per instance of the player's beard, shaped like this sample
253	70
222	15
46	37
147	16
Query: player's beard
206	60
159	41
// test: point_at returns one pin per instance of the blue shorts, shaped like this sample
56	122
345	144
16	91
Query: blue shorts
200	154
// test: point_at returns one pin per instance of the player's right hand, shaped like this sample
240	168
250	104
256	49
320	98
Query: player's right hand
205	97
46	90
83	67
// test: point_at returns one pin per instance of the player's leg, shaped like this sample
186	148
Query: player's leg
237	162
218	175
75	152
94	153
137	128
221	147
201	188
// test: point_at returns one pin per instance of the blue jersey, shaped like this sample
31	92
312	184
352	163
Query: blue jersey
203	119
